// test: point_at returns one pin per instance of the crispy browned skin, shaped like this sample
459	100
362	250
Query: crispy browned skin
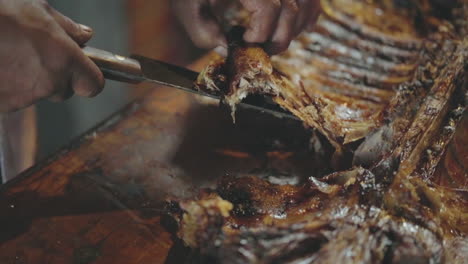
339	77
402	85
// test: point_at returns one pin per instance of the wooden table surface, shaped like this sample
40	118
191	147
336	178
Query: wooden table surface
99	200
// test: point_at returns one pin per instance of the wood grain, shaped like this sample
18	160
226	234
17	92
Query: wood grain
100	199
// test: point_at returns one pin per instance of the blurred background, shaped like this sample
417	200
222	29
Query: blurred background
145	27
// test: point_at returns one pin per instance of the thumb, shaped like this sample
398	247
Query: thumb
78	32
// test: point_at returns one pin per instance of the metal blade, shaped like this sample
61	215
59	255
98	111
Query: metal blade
167	74
183	79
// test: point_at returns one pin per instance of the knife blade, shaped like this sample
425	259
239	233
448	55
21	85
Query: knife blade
137	69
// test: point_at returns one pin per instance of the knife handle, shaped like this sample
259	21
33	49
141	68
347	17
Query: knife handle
115	67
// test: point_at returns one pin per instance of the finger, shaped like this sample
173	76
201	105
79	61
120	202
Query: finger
310	24
308	14
303	16
62	89
63	95
222	51
264	16
284	32
86	80
199	22
314	14
78	32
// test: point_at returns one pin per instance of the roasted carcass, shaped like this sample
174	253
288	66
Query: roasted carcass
390	77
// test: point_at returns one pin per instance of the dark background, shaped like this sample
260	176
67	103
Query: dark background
146	27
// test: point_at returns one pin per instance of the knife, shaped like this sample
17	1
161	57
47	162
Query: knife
137	69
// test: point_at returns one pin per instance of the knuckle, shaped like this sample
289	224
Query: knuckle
276	4
294	10
47	25
44	4
292	6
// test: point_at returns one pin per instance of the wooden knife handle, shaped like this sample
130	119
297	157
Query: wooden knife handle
115	67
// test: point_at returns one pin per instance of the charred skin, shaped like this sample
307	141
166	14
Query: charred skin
402	86
337	78
249	70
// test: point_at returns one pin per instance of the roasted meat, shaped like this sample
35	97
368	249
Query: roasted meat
338	78
390	76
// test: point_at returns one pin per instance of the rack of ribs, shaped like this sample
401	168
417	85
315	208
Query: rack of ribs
385	81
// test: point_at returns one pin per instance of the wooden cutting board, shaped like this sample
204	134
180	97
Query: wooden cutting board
100	200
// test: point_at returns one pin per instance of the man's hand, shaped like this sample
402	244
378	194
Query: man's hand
273	22
40	56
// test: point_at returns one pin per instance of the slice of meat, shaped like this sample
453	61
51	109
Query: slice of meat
405	199
338	78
